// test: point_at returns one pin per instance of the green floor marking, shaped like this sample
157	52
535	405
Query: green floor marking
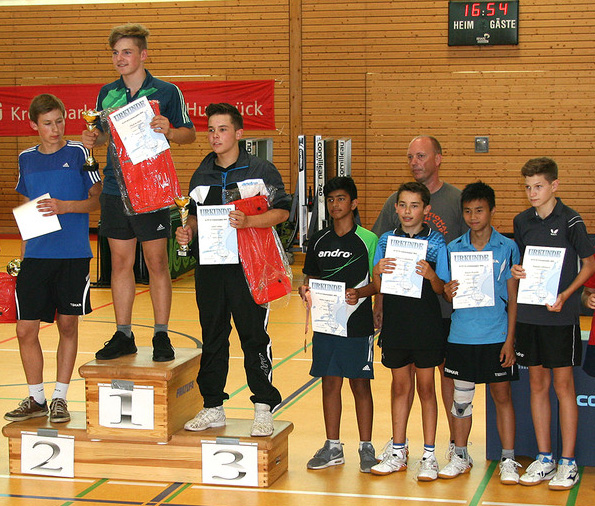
484	483
87	490
177	492
571	501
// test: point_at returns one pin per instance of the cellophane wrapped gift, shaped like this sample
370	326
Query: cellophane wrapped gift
146	186
265	264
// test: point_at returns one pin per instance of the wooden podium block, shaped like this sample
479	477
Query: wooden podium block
175	394
179	460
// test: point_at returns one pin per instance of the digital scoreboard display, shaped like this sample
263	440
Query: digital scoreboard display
483	23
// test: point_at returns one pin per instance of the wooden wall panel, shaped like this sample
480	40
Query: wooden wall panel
385	72
379	72
215	41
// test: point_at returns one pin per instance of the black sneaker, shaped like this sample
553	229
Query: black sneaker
163	351
118	346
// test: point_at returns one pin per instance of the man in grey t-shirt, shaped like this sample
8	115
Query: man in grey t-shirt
424	157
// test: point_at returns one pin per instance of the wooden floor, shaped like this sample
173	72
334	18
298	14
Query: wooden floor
343	485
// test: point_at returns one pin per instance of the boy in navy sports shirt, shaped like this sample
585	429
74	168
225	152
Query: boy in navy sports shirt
54	275
411	337
480	346
335	357
548	338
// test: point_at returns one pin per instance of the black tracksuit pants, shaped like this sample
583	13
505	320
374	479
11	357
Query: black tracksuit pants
222	292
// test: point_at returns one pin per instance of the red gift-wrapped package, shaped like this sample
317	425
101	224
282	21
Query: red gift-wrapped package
261	256
8	306
149	185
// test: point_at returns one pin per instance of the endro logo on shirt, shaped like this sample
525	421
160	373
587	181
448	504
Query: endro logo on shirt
335	254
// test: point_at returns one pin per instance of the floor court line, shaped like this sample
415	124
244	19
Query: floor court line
336	494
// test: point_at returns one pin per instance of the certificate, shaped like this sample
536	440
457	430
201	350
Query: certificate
329	309
217	239
543	267
132	122
404	280
474	270
32	223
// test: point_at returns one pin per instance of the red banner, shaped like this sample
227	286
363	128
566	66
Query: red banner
254	99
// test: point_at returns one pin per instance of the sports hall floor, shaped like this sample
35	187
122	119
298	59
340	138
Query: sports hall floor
343	485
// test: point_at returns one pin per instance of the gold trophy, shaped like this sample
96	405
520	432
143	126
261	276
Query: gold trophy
91	116
182	203
14	266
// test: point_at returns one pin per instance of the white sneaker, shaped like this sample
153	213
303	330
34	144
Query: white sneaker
428	469
566	477
456	466
263	420
206	419
391	464
451	451
509	474
388	449
538	471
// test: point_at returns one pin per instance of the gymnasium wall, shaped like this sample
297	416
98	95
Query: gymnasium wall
377	72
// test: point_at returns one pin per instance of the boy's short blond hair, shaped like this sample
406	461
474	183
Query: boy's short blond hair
135	31
43	104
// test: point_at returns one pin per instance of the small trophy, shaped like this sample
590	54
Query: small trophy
91	116
14	266
182	203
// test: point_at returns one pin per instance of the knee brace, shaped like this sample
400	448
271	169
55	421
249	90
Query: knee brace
463	397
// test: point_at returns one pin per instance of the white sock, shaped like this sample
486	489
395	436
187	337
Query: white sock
60	391
37	392
335	443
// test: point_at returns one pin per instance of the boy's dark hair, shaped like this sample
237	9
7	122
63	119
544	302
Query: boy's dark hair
341	183
479	191
236	118
134	31
415	187
541	166
43	104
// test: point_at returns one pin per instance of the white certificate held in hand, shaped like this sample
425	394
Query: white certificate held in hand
32	223
132	122
329	309
474	270
543	267
404	280
217	239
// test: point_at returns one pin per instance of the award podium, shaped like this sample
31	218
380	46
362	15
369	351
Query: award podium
133	429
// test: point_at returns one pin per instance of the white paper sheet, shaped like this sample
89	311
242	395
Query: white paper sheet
474	270
217	239
132	124
543	267
404	280
32	223
329	309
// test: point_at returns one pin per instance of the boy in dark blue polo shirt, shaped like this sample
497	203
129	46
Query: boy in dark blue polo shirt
548	337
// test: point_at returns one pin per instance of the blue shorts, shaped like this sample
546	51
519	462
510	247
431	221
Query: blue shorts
345	357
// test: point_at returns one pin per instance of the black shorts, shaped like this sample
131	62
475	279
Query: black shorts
116	224
346	357
46	286
478	363
395	358
550	346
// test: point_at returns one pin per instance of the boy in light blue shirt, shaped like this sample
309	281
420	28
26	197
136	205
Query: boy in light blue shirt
480	345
